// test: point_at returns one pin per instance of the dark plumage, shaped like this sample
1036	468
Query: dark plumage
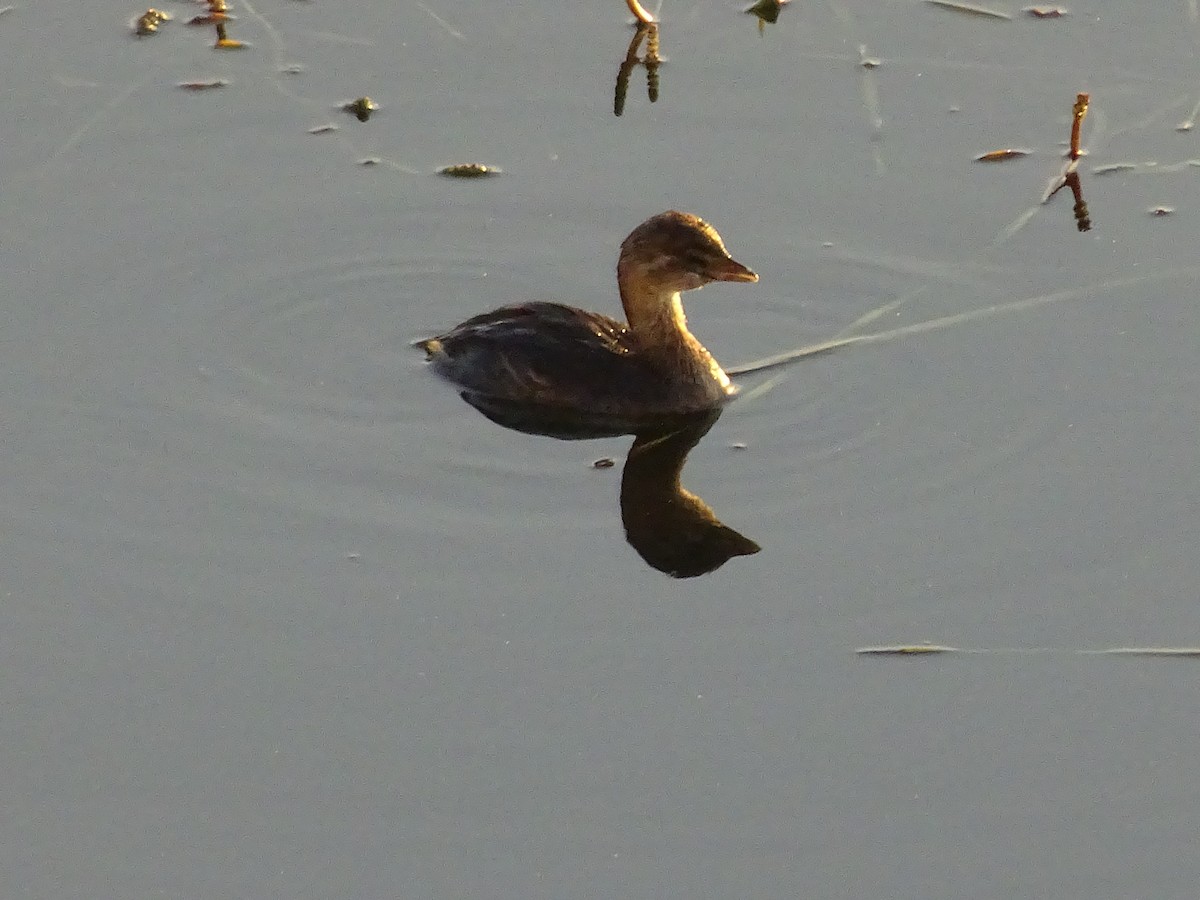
556	356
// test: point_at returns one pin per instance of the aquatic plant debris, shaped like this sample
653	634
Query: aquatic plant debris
147	23
224	41
468	170
1159	211
1002	155
652	60
323	129
361	109
970	9
1045	12
767	12
204	85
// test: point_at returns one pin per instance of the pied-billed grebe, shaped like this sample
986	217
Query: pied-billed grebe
549	355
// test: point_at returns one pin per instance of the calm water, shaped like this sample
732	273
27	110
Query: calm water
282	617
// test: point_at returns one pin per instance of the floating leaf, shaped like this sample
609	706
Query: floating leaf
1002	155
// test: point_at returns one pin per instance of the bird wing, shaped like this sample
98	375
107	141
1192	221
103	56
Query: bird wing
546	353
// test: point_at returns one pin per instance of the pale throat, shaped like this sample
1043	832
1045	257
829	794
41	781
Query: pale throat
655	314
658	320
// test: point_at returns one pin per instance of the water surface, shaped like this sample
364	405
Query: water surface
283	617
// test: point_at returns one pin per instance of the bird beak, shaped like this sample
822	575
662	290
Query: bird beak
730	269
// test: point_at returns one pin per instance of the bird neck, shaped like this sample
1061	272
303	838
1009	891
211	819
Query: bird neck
656	318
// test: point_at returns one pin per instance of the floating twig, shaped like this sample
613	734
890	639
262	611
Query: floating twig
1080	113
639	12
1069	177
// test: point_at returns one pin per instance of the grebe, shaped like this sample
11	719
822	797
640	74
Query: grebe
547	355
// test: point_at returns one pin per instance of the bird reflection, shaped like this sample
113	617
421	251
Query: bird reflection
648	32
672	529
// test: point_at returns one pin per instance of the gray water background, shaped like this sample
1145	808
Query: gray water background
281	617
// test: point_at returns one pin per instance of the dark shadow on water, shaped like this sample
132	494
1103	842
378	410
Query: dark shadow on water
672	529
